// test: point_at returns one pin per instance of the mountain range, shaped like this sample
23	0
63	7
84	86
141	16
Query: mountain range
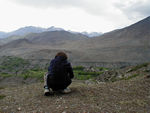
32	29
27	30
130	44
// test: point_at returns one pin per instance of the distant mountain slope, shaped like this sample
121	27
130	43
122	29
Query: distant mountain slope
32	29
129	44
137	34
28	29
23	31
2	34
92	34
54	37
88	34
17	43
9	39
49	38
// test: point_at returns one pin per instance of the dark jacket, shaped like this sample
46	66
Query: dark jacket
60	70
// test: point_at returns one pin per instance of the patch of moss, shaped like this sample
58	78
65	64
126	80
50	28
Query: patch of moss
1	88
2	96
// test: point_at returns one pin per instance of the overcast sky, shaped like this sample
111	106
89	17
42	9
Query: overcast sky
75	15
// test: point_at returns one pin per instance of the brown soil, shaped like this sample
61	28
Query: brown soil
122	96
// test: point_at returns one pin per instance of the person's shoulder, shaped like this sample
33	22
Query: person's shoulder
52	61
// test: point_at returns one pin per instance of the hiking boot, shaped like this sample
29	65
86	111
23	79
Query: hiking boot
48	92
65	91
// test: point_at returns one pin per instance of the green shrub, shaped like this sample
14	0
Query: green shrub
138	67
102	68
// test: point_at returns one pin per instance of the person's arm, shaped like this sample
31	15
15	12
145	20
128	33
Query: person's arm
50	67
70	71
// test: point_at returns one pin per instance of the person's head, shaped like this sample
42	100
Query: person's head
61	54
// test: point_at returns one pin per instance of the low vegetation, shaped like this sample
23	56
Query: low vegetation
83	75
2	96
78	68
14	66
1	88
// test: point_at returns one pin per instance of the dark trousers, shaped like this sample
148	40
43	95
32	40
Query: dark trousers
54	85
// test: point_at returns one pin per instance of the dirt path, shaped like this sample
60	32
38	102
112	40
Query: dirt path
122	96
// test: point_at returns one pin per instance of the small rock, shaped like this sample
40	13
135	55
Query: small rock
64	101
66	107
61	98
129	70
19	109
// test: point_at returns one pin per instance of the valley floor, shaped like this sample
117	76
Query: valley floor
121	96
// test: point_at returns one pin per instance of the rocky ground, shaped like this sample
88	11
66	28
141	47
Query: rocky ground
121	96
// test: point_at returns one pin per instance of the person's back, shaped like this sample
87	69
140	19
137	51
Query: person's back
59	74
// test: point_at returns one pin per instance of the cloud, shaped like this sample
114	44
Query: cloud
49	3
96	7
134	8
131	8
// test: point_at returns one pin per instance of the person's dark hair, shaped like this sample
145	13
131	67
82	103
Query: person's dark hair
61	54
